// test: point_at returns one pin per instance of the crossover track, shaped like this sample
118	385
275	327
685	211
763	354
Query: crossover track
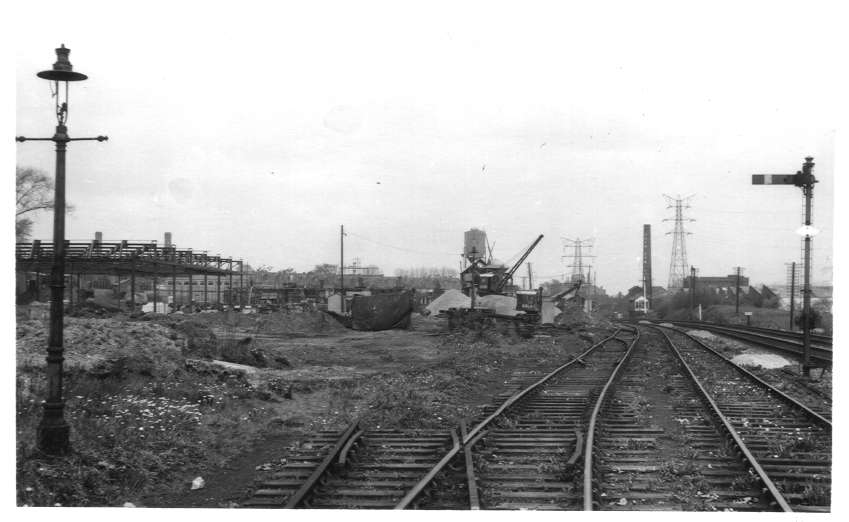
527	453
396	469
647	419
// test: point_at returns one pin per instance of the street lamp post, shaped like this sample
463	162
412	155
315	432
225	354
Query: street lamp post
53	431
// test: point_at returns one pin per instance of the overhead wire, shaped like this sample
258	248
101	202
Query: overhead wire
387	245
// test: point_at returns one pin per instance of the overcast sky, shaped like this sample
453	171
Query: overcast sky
255	132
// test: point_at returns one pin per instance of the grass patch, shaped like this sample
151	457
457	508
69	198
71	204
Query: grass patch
130	434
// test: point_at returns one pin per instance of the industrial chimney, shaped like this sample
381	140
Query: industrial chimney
647	265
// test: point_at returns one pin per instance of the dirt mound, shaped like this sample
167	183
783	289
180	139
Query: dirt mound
573	315
426	323
104	347
244	351
230	344
297	323
93	309
200	341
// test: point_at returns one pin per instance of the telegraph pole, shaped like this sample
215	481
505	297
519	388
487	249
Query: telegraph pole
342	265
737	293
647	283
693	291
473	288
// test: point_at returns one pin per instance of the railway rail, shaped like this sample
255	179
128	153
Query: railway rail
395	469
786	342
648	418
527	453
656	445
786	443
810	395
825	340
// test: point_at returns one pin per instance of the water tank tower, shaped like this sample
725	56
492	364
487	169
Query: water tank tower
474	244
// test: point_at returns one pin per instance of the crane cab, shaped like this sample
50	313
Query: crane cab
487	279
529	301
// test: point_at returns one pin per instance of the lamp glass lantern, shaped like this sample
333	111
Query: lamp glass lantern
63	72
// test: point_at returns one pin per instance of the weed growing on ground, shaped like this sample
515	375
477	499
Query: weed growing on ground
816	494
129	434
745	482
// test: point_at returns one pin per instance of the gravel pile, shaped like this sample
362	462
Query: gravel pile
703	335
450	299
764	360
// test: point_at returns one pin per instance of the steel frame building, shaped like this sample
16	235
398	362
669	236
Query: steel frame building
133	259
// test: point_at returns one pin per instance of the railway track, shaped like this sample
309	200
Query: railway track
651	421
385	469
787	444
527	455
792	384
657	447
825	340
785	342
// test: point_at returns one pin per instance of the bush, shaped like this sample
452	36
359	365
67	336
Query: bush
813	321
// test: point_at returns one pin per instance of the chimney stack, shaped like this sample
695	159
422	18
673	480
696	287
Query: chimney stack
98	237
167	239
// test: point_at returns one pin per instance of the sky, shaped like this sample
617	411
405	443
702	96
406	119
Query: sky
254	130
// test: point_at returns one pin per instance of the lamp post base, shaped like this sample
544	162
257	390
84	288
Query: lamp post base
53	436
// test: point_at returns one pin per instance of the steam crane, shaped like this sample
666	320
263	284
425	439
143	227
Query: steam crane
499	287
491	279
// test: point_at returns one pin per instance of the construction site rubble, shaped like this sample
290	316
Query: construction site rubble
104	346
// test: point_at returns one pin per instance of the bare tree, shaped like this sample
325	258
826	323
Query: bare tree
33	192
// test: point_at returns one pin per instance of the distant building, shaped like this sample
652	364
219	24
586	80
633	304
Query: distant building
820	294
720	283
200	293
